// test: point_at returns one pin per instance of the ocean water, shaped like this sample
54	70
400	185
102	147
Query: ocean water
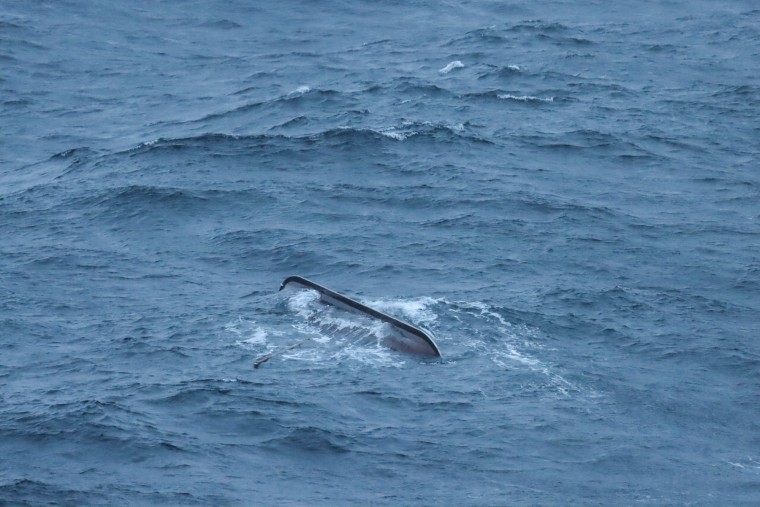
567	195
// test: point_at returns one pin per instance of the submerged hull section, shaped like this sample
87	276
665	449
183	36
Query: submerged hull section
403	336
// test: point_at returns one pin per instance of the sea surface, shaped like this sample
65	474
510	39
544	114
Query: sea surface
566	194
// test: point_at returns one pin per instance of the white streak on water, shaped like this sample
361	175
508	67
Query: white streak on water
525	98
415	310
456	64
250	335
398	136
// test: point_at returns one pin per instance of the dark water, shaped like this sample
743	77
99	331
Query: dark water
566	194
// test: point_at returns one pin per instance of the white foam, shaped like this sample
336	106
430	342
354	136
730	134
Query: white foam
513	355
302	302
749	464
398	136
512	346
306	354
258	337
525	98
300	90
249	333
456	64
374	356
515	68
485	310
409	128
366	352
416	310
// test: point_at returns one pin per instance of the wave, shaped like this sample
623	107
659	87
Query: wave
285	251
538	25
9	25
662	48
532	100
89	166
346	136
301	90
43	173
501	35
136	195
35	492
311	440
567	41
741	94
222	24
525	98
431	130
221	144
157	206
298	121
503	72
456	64
297	97
408	85
325	101
587	139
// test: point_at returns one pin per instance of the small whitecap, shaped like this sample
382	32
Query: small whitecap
749	463
456	64
525	98
478	308
141	145
515	68
300	90
398	136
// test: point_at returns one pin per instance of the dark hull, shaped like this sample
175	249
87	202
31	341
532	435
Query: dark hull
405	337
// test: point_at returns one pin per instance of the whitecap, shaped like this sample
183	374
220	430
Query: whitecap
525	98
747	463
456	64
300	90
398	136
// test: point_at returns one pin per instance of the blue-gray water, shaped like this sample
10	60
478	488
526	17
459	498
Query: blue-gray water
566	194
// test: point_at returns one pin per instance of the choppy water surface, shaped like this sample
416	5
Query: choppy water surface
566	195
